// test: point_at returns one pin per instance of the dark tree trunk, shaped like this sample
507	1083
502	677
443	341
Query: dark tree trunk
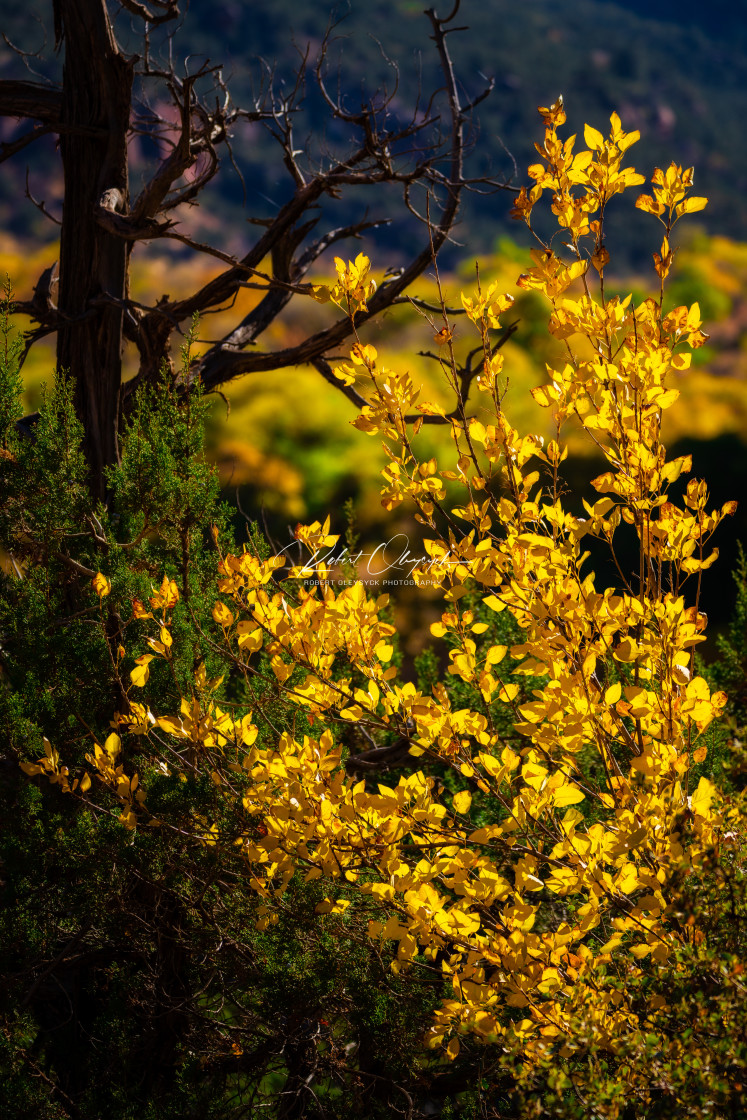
96	99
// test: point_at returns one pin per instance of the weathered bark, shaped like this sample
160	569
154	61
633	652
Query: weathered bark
96	94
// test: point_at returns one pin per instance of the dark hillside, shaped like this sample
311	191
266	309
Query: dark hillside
676	72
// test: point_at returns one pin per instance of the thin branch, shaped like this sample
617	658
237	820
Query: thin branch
140	10
40	205
148	203
325	369
221	364
9	149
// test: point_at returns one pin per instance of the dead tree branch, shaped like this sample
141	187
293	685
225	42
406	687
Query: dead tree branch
107	98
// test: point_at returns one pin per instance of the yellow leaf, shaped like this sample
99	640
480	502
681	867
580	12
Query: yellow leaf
113	745
693	204
600	259
31	768
510	758
567	795
172	725
483	835
222	615
477	431
101	585
364	355
613	694
698	689
494	603
345	373
281	670
249	636
646	203
141	672
490	764
667	399
627	651
462	801
593	138
545	395
700	802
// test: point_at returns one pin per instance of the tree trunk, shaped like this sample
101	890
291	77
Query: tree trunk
96	100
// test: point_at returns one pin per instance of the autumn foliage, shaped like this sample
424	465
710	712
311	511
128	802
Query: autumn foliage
551	805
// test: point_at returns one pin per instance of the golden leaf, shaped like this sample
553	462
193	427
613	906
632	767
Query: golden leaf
101	585
462	801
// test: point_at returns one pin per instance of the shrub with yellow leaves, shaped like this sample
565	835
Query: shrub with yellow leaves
547	853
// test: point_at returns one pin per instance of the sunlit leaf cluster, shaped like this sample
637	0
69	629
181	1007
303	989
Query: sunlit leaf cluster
550	855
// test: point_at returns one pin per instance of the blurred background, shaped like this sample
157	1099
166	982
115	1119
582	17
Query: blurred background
282	442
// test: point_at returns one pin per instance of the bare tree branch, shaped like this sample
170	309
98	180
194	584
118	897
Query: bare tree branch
40	204
426	151
31	100
371	163
9	149
184	154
